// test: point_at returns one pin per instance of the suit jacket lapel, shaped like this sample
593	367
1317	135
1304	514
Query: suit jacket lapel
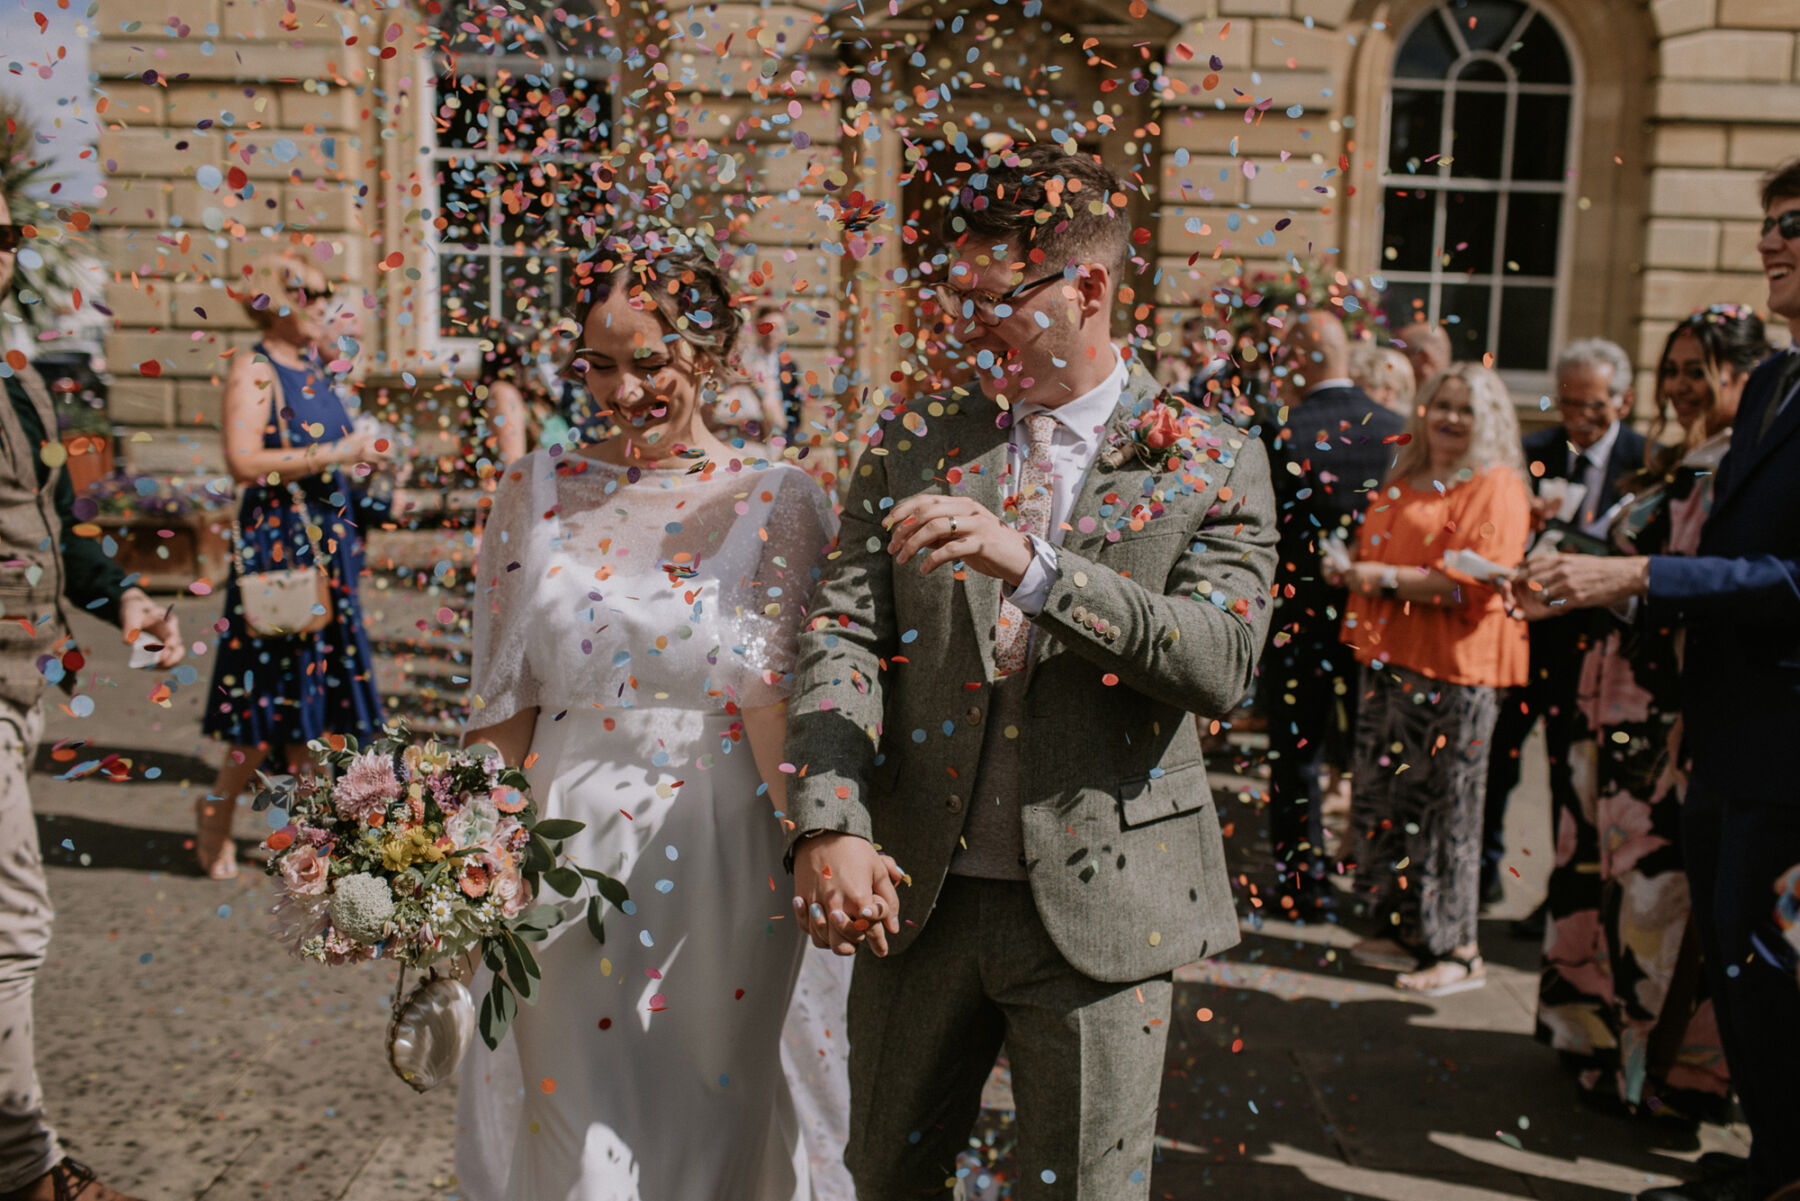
983	463
1141	390
1747	450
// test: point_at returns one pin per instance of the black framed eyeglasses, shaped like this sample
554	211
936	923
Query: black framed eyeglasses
1788	223
11	237
984	304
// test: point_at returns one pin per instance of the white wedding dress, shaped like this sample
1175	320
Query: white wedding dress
639	616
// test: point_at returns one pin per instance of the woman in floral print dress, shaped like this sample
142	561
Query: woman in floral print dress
1622	994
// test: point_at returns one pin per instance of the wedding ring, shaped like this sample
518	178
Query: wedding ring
953	525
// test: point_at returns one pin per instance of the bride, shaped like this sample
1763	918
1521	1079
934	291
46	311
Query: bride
637	607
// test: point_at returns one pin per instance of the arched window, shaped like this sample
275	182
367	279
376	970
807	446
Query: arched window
518	121
1475	181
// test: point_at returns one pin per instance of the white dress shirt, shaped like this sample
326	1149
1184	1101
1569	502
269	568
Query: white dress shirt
1588	468
1074	445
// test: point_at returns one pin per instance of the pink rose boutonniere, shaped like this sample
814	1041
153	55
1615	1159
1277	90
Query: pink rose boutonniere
1156	436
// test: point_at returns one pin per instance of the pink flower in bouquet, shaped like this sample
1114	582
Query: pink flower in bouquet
305	871
366	788
509	892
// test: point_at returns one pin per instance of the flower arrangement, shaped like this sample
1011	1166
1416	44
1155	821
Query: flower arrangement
411	851
1161	435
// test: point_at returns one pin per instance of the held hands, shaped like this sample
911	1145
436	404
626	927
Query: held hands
1550	585
373	448
141	617
844	892
952	528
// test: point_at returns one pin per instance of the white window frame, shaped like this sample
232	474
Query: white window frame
432	339
1527	382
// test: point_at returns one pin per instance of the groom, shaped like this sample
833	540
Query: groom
1031	591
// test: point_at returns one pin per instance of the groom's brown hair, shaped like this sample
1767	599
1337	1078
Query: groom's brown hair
1051	210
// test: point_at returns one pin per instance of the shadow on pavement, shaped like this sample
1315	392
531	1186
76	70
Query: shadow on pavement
81	842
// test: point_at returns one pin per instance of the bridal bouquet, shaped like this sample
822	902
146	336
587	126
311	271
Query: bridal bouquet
421	853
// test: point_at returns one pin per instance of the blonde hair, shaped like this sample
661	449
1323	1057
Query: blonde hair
1374	368
1494	442
270	284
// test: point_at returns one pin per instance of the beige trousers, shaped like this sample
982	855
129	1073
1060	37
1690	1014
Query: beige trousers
27	1144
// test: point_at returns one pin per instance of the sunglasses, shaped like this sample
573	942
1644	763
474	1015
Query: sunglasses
1788	223
11	237
308	296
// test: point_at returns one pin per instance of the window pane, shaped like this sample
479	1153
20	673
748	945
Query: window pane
1464	311
1416	130
1525	329
1480	134
1486	24
1406	229
1482	70
462	202
463	288
1533	225
527	209
527	291
1428	51
523	122
460	122
1404	303
1542	139
585	124
1539	55
1470	218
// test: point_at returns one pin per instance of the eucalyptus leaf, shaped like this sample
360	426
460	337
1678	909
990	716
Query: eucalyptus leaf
565	880
558	828
498	1009
595	926
612	889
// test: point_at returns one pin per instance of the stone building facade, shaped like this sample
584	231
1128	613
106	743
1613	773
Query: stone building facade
1532	171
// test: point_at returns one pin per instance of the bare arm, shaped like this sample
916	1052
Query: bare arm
508	404
1431	585
512	737
246	415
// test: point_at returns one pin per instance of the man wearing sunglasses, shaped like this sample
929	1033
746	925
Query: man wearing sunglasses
42	568
1738	600
1026	602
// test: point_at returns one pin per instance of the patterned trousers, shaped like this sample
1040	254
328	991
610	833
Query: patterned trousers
27	1144
1421	772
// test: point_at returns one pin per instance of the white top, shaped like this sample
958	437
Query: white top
598	591
1080	429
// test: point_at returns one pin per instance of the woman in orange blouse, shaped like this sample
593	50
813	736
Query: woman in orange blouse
1437	648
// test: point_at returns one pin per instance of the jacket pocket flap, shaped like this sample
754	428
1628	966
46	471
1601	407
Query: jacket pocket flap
1163	794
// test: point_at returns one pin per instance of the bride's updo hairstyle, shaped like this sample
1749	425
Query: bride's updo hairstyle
690	292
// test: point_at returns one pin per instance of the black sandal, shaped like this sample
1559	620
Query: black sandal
1467	982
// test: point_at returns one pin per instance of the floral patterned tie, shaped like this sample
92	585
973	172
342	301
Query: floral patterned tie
1032	517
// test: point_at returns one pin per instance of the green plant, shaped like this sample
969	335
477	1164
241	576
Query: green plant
47	271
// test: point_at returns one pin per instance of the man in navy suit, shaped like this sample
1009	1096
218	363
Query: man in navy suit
1592	447
1329	447
1739	601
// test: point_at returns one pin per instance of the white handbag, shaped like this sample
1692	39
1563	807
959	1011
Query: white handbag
290	602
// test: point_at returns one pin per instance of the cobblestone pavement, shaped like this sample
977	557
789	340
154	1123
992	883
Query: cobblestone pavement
186	1056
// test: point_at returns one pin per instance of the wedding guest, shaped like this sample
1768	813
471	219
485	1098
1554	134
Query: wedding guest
1737	599
1176	368
638	602
1427	348
770	368
1385	376
53	570
1332	447
512	407
1594	449
1437	646
1621	995
276	692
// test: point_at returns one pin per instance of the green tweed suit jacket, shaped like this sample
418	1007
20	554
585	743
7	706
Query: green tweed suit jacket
1159	611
